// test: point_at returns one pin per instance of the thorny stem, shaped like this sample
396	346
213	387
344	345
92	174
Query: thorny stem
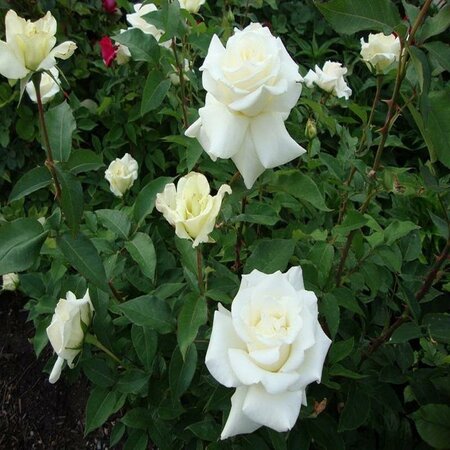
390	116
182	85
201	284
239	240
91	339
50	163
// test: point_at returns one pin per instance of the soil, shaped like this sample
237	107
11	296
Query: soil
34	414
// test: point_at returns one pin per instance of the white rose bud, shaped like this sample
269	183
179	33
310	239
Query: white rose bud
190	208
330	78
191	5
121	174
66	331
29	46
48	86
270	347
252	84
380	52
175	75
10	281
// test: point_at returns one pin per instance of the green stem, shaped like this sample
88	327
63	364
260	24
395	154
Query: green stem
182	85
91	339
201	284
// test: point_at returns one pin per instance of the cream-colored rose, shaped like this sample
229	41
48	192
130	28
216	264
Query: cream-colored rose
381	52
66	333
48	86
30	46
190	208
121	174
191	5
252	84
270	347
330	78
10	281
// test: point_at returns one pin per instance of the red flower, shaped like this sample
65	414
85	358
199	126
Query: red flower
109	6
108	50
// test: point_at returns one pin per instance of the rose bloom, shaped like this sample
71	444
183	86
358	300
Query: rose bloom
10	281
252	84
48	86
66	333
108	50
121	174
191	5
270	347
380	52
110	6
190	208
330	78
30	46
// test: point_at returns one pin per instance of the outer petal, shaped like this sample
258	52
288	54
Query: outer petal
222	338
295	277
279	412
11	66
61	51
272	142
56	371
166	203
238	422
310	78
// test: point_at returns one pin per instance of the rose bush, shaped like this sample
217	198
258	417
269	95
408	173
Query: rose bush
269	348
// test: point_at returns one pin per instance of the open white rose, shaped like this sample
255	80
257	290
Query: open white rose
121	174
252	84
330	78
66	333
30	46
190	208
48	86
380	52
10	281
270	347
191	5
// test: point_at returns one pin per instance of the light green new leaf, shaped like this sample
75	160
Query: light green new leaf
142	250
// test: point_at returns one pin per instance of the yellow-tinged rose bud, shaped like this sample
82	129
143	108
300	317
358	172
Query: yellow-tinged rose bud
311	129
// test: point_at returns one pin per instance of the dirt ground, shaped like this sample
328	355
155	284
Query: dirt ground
34	414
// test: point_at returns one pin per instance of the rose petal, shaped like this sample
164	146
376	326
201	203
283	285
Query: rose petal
295	277
237	422
10	64
56	371
279	412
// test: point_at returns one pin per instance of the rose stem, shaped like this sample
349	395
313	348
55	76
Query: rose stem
201	284
390	116
91	339
50	163
182	86
239	239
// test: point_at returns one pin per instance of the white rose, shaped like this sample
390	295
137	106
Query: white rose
270	347
190	208
121	174
136	20
330	78
48	86
252	84
380	52
253	143
30	46
191	5
66	333
10	281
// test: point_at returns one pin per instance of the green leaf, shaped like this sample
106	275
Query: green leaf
137	440
440	52
396	230
329	307
206	430
434	25
84	161
116	221
148	311
136	418
405	333
142	250
155	90
145	201
182	371
100	405
32	181
300	186
340	350
353	220
438	326
98	371
145	342
20	243
340	371
83	256
322	256
351	16
356	410
71	198
60	126
270	255
132	381
433	424
422	67
193	314
143	47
